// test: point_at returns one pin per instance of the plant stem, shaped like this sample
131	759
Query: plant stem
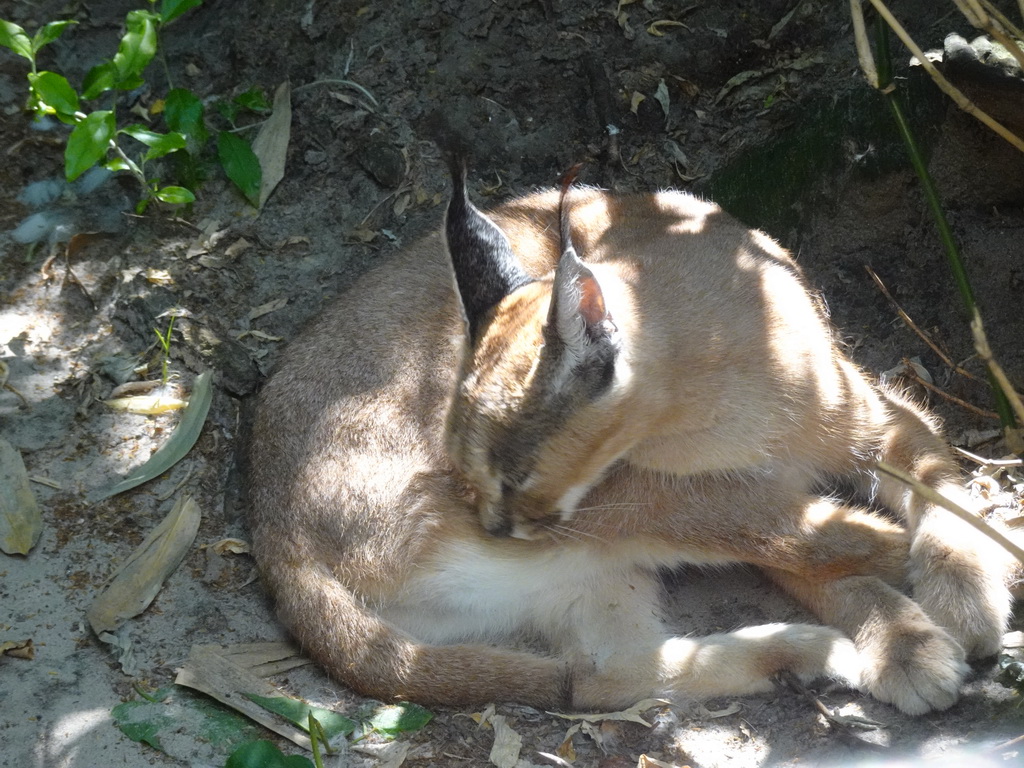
956	264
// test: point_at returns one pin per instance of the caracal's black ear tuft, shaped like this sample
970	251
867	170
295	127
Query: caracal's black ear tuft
578	315
486	269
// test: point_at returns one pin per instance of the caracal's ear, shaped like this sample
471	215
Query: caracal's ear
578	321
486	270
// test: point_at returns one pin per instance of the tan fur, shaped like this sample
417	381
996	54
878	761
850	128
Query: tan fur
374	478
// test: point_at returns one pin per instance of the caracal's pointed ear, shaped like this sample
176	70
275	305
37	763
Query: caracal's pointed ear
578	317
486	269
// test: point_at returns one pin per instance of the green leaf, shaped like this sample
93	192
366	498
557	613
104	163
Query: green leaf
183	112
159	144
178	444
116	163
253	100
175	195
54	92
88	143
100	79
49	33
143	729
172	9
240	164
12	36
398	718
137	48
228	110
298	712
264	754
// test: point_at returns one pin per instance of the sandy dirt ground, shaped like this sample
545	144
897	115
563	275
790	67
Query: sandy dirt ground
762	109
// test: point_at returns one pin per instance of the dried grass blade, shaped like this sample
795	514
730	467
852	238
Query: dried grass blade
138	580
177	446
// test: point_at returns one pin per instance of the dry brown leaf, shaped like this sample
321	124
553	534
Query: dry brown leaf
264	336
635	100
362	235
232	546
135	584
159	276
655	27
294	240
211	670
18	650
271	144
239	246
20	520
566	750
631	715
267	308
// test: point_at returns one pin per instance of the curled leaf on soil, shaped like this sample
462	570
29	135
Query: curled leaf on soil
655	27
20	520
24	649
138	580
179	443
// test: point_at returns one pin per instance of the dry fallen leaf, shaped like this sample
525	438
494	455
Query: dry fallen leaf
138	580
18	650
507	743
655	27
271	144
20	520
159	276
177	445
146	404
267	308
214	671
631	715
232	546
635	100
239	246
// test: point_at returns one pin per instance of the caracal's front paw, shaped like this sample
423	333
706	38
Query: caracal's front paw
915	666
965	593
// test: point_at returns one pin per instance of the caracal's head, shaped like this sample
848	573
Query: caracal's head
535	419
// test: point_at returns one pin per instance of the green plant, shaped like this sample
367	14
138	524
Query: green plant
882	79
97	135
165	345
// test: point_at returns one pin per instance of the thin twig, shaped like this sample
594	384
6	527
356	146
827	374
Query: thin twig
911	374
844	726
860	37
1008	25
988	462
1006	744
933	496
1012	434
913	326
985	353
